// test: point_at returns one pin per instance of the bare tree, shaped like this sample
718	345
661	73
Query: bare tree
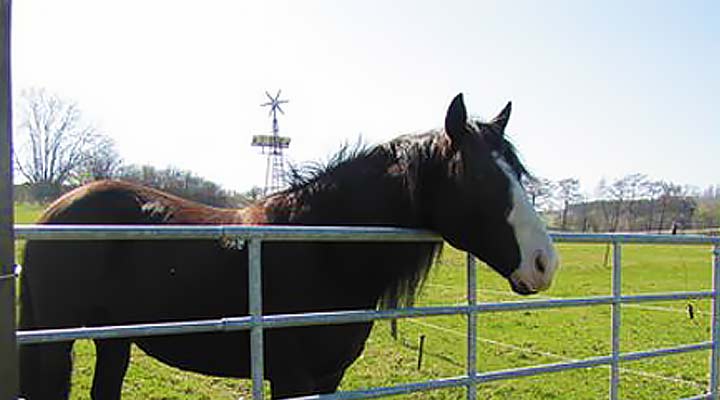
182	183
54	140
669	192
635	189
653	189
568	191
102	162
540	191
254	194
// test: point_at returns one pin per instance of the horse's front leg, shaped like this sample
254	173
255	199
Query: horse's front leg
45	371
111	362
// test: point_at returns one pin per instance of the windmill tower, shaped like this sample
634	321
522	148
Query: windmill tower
273	145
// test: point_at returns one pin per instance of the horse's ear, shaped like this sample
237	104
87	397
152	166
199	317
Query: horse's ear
456	120
502	119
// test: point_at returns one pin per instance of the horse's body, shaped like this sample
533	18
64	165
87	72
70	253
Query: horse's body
408	182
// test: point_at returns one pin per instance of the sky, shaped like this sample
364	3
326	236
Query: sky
600	89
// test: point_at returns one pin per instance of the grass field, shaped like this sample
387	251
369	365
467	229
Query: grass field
505	340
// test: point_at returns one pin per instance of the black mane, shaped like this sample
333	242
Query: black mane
408	156
404	156
410	152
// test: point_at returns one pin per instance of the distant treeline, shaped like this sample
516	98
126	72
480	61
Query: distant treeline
176	181
665	214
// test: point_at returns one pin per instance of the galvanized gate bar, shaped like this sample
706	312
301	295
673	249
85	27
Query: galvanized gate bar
255	307
307	233
289	233
324	318
8	347
506	374
715	353
471	327
700	397
443	383
633	238
615	321
135	330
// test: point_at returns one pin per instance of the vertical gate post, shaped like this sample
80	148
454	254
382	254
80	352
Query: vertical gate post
471	327
615	320
255	308
8	346
715	352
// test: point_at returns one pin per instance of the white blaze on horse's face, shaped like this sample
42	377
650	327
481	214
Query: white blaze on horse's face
538	259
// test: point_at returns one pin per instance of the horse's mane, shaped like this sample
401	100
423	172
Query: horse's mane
407	156
404	157
303	176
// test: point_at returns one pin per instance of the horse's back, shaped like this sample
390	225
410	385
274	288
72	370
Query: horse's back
66	283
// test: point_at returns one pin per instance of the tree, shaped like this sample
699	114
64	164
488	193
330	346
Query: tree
54	140
181	183
254	194
102	162
669	191
653	189
540	191
635	189
568	191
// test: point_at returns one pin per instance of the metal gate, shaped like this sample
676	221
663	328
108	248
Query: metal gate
256	323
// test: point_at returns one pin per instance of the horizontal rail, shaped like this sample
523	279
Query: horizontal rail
509	374
436	384
185	232
230	324
639	238
305	233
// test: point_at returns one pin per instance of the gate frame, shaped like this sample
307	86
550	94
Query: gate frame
8	347
256	322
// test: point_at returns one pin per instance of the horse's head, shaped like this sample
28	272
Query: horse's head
481	207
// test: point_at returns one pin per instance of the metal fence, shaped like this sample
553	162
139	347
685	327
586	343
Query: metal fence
256	322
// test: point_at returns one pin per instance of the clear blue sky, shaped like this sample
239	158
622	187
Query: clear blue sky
600	89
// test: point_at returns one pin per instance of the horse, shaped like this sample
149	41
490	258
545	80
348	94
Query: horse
462	181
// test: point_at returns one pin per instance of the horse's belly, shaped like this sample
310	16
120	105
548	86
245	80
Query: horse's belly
218	354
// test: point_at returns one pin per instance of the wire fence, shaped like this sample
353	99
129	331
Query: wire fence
256	322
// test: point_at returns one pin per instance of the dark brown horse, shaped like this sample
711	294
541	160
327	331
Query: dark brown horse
462	182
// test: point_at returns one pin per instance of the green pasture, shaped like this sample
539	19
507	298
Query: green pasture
505	340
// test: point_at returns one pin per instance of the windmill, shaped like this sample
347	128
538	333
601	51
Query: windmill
273	145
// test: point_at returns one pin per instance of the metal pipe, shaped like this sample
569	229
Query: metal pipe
255	308
407	388
8	347
323	318
506	374
715	353
632	238
700	397
136	330
615	321
184	232
471	327
305	233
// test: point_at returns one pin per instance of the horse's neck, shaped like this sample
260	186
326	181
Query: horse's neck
370	199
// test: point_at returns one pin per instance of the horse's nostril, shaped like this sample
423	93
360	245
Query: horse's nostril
540	263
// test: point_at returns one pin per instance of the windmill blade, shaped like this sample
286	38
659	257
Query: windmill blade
269	97
279	109
278	95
